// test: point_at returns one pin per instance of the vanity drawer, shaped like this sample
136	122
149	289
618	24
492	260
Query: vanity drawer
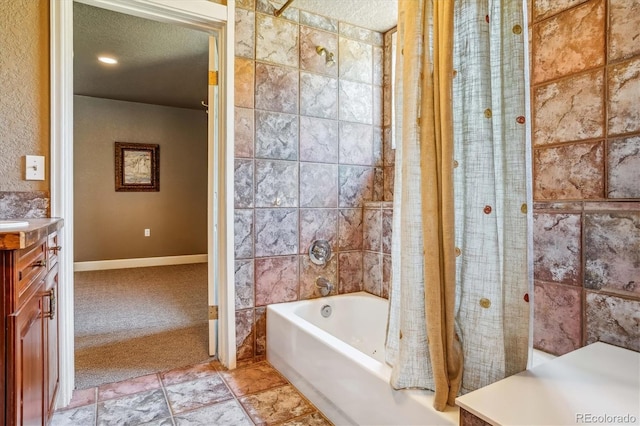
31	266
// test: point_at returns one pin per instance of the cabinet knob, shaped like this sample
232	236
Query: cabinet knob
56	248
39	263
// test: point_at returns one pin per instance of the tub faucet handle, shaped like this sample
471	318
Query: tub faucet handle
324	285
320	252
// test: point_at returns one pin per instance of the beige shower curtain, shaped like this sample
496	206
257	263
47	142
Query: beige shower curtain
423	301
459	314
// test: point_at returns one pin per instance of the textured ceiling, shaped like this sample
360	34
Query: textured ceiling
166	64
159	63
377	15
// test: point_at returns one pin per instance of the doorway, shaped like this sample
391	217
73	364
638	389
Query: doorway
202	15
144	103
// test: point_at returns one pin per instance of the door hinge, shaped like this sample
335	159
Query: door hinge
213	312
213	78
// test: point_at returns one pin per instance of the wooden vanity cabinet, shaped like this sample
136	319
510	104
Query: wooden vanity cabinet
26	362
30	328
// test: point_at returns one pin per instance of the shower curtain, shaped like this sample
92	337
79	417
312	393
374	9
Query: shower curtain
459	312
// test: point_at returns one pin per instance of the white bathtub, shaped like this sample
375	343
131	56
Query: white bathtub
338	362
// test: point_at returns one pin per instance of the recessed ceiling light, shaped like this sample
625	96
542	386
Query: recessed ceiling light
107	60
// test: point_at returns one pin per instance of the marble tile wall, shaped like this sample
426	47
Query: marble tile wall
387	168
376	244
308	156
585	68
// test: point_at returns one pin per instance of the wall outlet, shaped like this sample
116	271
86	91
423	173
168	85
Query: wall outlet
147	232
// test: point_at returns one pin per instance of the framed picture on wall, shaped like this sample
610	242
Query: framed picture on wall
137	167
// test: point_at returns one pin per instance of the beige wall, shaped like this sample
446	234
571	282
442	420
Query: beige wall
24	83
24	129
109	224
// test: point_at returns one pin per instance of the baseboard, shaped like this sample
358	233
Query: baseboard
100	265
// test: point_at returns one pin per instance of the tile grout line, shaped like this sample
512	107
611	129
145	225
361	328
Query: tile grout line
216	373
95	408
288	383
166	398
235	397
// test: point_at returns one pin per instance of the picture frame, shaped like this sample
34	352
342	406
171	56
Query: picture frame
137	167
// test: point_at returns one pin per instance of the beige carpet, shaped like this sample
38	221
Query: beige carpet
132	322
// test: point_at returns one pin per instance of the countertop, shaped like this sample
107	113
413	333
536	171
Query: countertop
582	387
24	236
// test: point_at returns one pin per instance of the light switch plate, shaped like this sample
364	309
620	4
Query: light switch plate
34	167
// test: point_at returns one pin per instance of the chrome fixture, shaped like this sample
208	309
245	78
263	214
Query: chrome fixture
320	252
280	11
324	285
325	311
327	55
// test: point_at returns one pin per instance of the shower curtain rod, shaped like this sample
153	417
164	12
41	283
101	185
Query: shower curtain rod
282	9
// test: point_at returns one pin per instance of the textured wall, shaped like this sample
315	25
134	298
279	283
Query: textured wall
110	224
586	140
24	81
308	155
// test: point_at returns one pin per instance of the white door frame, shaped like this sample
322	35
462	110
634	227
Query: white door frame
199	14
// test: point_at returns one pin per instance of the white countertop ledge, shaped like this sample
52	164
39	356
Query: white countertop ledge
577	388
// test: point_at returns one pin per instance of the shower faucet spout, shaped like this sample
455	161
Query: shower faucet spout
324	285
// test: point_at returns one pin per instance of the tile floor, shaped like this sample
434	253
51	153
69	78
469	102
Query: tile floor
203	394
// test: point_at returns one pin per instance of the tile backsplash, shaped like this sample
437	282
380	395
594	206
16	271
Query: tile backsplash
586	143
30	204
